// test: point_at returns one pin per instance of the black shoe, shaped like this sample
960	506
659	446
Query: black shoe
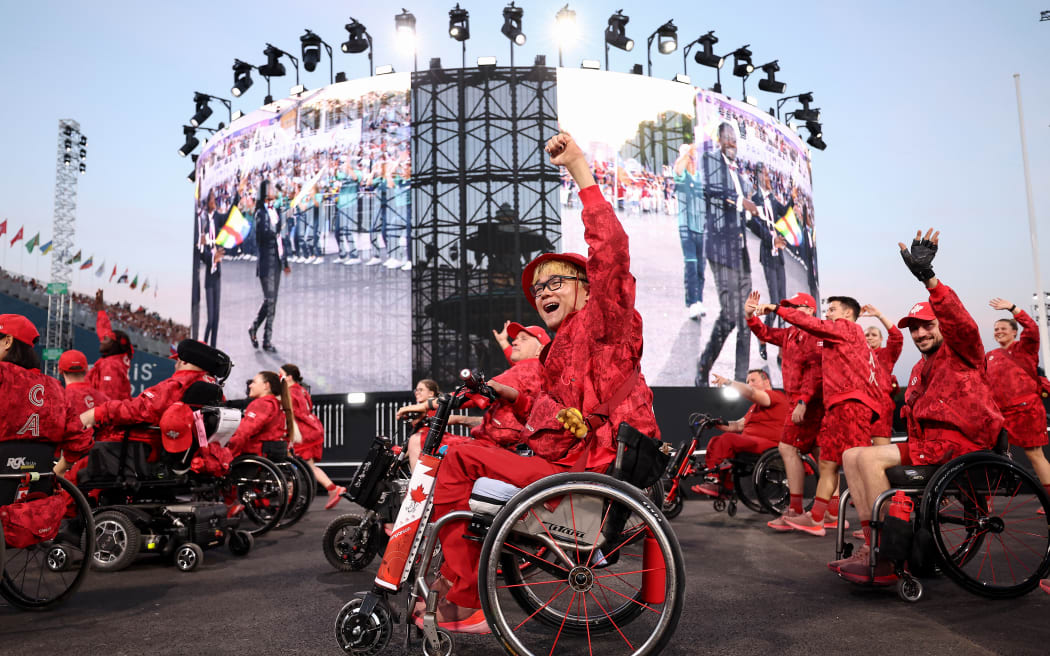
251	336
269	348
762	351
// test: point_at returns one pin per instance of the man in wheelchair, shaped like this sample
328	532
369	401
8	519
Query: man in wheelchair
949	406
755	432
591	382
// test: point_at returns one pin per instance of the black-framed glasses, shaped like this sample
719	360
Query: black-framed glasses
553	283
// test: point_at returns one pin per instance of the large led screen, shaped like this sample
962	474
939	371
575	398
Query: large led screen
302	237
716	198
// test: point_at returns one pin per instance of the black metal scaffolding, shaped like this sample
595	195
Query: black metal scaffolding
485	200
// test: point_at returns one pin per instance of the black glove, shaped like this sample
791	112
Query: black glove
920	258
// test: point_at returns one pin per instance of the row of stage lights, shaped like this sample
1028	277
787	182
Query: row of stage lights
359	40
75	149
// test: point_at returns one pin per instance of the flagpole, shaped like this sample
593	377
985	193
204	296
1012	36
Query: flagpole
1040	306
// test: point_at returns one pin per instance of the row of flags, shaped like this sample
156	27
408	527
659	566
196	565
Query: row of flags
85	265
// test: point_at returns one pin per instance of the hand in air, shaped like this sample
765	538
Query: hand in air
751	304
919	259
721	381
869	311
563	149
1000	304
501	336
765	308
571	420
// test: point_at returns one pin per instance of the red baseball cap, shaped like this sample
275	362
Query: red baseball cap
173	353
19	327
176	428
921	311
73	362
530	270
514	328
800	299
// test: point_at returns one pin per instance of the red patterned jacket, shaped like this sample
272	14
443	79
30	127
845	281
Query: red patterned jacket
948	397
886	357
847	362
1012	370
310	426
146	408
81	397
35	409
594	351
499	425
799	360
263	421
109	374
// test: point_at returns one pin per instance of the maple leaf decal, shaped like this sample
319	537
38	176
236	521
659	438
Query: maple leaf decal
418	495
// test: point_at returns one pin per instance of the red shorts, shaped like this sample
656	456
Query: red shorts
883	426
846	425
936	446
1026	424
309	450
804	436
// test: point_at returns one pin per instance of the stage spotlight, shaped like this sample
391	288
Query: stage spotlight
83	140
512	24
69	145
667	38
742	66
730	393
591	64
311	50
637	70
816	142
486	62
83	154
435	63
203	110
770	83
273	67
708	57
356	398
565	26
357	39
806	114
68	131
814	129
681	77
405	26
242	77
616	32
83	168
459	23
66	160
192	177
385	69
191	142
340	76
541	60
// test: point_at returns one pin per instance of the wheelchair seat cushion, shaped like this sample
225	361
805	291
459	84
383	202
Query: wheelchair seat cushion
910	475
490	494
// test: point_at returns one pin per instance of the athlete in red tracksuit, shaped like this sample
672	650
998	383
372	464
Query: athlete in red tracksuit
109	375
34	405
886	357
593	361
1012	375
311	429
263	419
800	368
80	396
948	405
851	394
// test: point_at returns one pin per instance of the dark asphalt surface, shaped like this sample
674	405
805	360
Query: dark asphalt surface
749	592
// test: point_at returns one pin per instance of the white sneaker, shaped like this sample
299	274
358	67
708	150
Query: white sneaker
317	259
697	310
374	261
352	260
407	266
392	263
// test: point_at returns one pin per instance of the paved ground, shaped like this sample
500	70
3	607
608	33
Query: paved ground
749	592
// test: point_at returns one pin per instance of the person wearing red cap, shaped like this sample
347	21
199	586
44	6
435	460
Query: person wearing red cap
755	432
851	395
886	357
35	406
80	396
591	381
311	429
803	384
109	375
949	406
263	420
1013	375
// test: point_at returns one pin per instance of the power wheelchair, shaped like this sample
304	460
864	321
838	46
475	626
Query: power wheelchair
588	558
977	521
43	561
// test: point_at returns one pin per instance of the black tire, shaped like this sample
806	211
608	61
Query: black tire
621	617
770	483
350	546
241	542
117	541
29	582
256	483
673	508
188	557
311	488
744	484
981	509
360	634
298	492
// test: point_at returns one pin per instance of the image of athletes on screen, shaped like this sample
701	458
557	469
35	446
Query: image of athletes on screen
709	219
302	238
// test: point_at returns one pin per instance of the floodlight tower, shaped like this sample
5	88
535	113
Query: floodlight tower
70	160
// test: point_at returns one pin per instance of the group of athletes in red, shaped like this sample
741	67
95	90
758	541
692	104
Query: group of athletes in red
563	397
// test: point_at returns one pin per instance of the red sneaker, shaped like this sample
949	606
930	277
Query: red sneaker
780	523
859	571
710	489
858	534
832	523
1045	585
334	495
862	554
806	523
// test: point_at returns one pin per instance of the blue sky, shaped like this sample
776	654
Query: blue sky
917	100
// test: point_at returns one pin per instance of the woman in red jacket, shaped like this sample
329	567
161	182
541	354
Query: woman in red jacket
263	419
312	431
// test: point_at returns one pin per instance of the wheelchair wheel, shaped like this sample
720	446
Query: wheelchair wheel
360	634
241	542
445	645
298	494
256	483
188	557
117	541
982	512
771	484
673	507
311	487
33	577
350	543
624	597
744	484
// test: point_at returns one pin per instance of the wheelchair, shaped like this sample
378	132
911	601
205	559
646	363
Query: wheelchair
976	521
585	560
301	485
163	507
44	561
